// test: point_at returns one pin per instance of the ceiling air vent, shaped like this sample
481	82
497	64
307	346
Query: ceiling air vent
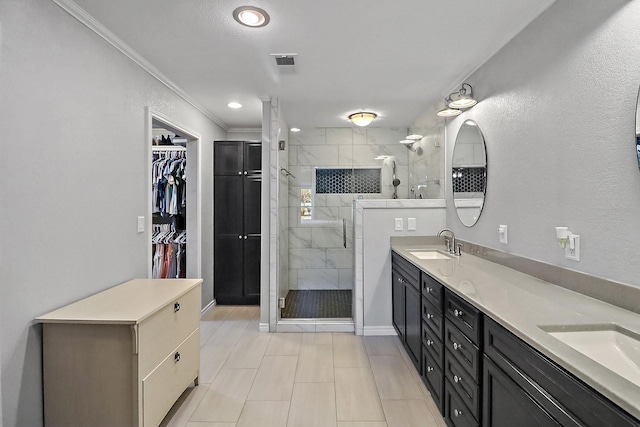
284	58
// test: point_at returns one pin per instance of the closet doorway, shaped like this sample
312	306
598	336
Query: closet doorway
174	201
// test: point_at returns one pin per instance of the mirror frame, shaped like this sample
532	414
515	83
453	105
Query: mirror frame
637	130
454	168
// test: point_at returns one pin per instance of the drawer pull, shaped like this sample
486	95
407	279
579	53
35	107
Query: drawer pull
429	316
429	290
176	357
429	343
457	313
429	368
457	379
457	412
176	307
457	346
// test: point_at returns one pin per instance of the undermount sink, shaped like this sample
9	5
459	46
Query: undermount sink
610	345
432	254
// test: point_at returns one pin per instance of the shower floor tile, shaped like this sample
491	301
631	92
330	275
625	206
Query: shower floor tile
317	304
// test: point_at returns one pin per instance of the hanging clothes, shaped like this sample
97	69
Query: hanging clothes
169	252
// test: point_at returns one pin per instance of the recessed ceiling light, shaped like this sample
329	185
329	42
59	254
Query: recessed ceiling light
295	129
251	16
234	105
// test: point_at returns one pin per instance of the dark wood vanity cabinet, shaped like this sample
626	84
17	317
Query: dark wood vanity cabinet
480	374
523	387
407	306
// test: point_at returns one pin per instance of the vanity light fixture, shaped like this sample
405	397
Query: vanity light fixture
295	129
363	118
409	144
414	137
251	16
449	112
381	157
462	98
234	105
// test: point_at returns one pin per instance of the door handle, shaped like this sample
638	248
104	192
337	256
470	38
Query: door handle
344	232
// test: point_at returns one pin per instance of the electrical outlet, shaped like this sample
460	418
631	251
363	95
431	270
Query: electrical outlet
411	224
503	233
140	224
572	250
398	224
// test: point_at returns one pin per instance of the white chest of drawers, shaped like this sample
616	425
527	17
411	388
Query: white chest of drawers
123	356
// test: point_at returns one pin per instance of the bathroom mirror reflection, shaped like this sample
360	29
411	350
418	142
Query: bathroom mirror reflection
638	129
469	172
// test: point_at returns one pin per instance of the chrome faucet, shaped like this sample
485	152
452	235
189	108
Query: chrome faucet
452	246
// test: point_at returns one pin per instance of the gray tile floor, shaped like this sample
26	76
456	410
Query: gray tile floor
253	379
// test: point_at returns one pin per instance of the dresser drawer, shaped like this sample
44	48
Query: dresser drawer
466	388
432	343
167	328
465	316
162	387
465	352
455	412
432	317
432	290
433	378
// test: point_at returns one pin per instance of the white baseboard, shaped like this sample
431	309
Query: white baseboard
379	330
208	307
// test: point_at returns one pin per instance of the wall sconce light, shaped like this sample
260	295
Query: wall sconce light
410	140
462	98
363	118
456	101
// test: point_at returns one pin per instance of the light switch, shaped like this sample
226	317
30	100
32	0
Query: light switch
140	224
399	226
411	224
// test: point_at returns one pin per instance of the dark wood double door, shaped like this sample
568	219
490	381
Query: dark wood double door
237	196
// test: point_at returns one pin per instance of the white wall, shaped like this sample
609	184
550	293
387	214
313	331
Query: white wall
557	108
74	160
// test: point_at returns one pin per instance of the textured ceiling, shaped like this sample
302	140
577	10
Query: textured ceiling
396	58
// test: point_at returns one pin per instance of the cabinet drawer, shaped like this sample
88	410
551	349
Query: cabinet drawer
467	389
455	413
432	317
432	375
465	352
167	328
433	344
408	271
162	387
464	316
432	290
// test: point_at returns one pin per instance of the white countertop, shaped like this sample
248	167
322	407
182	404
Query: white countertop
521	303
128	303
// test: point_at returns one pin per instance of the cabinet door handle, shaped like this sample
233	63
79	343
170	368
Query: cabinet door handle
457	346
457	412
429	368
245	237
429	343
457	313
245	172
429	316
457	379
239	172
176	307
429	290
176	357
239	237
400	279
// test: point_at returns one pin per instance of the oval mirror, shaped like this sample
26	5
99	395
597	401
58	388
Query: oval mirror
638	129
469	172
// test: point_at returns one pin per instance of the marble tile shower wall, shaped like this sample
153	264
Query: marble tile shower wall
317	257
426	165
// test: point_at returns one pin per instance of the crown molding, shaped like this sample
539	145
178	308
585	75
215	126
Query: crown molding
90	22
236	130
